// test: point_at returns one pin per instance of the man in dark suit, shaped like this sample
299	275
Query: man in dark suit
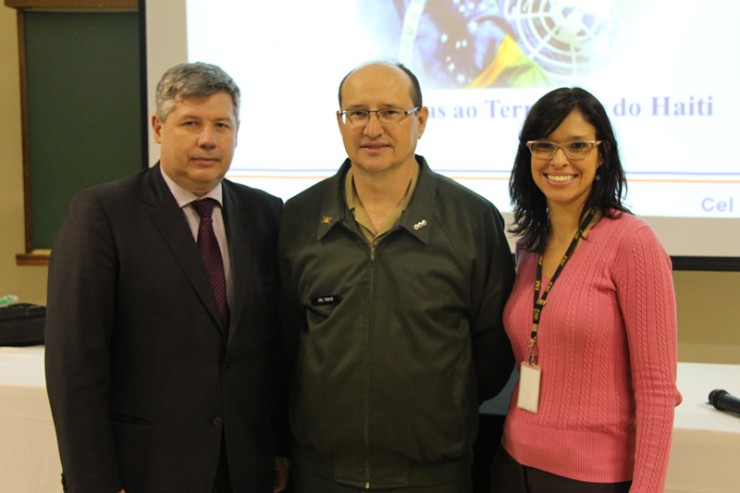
162	363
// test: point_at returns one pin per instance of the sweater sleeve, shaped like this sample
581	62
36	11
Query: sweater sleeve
647	301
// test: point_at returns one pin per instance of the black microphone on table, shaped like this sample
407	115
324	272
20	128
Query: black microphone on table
724	401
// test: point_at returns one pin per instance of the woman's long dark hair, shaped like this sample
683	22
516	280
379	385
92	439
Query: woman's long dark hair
530	209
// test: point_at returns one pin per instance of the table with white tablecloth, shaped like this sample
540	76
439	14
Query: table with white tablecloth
29	461
705	450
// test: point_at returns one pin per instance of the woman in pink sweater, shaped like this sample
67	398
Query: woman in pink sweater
591	318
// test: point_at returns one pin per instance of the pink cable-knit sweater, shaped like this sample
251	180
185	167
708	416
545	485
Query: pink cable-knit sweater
607	349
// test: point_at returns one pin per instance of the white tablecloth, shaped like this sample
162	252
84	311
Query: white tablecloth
705	450
705	453
29	461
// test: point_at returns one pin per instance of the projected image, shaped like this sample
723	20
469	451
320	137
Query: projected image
666	72
506	43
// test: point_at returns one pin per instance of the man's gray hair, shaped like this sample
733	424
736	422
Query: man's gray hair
187	80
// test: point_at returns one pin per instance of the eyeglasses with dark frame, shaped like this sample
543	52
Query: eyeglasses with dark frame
578	149
387	116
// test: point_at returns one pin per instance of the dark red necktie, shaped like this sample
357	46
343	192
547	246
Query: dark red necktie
211	254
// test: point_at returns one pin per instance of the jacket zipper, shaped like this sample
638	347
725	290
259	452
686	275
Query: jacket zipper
373	247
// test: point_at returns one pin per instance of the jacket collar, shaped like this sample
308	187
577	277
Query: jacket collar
168	218
417	219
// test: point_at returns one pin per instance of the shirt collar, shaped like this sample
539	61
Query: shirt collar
418	215
355	204
185	197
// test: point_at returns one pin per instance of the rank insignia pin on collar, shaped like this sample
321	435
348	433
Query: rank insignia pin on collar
420	224
326	220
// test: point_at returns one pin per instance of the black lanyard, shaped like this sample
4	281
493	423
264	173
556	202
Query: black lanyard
541	300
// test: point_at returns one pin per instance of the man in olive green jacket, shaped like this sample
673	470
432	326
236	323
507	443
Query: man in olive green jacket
395	279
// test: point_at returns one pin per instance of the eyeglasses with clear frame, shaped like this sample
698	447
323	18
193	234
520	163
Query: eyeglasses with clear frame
386	116
578	149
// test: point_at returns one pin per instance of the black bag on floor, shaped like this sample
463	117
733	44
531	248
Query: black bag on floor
22	324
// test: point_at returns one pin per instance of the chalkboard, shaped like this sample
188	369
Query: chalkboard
84	108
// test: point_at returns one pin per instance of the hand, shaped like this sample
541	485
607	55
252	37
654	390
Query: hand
282	467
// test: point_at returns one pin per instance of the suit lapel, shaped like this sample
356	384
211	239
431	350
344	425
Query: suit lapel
235	221
172	225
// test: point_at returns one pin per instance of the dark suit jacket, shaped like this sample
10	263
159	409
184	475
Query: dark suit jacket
142	380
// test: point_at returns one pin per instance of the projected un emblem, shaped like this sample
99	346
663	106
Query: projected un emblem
565	38
507	43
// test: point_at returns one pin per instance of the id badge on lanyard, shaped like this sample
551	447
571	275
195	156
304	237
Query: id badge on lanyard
529	372
529	387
